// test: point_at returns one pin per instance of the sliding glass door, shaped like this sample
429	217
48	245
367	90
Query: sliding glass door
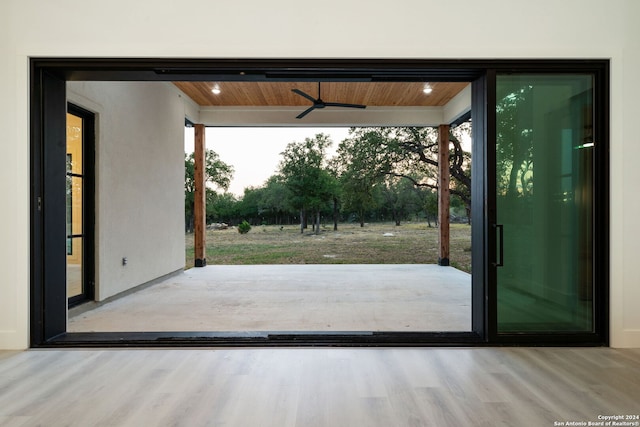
544	222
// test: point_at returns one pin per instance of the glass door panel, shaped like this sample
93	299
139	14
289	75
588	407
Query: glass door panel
74	203
544	203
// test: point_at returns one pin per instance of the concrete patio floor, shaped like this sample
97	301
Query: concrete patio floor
396	298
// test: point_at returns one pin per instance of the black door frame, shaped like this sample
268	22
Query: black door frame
48	77
48	221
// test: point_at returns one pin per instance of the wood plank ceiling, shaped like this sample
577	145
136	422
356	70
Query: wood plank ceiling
274	94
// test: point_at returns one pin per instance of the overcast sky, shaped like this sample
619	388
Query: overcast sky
255	152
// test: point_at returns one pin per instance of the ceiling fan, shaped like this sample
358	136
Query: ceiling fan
319	103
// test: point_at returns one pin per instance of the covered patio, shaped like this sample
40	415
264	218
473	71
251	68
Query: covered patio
310	298
146	293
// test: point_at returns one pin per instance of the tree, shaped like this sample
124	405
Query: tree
249	206
274	200
222	207
407	152
308	183
401	198
217	173
359	173
430	201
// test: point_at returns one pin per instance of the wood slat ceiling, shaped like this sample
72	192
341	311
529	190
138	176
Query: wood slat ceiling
263	94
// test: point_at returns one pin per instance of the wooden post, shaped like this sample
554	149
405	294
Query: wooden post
199	210
443	195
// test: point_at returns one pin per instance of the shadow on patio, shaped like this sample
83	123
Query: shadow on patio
399	298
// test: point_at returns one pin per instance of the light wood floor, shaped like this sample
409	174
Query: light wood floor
317	387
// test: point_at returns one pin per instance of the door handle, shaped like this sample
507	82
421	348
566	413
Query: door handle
500	246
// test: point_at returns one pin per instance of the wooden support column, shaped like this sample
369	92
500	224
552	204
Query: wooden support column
199	210
443	195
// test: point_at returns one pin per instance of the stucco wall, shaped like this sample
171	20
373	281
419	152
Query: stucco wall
139	180
333	29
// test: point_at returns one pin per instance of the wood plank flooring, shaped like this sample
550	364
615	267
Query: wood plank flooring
317	387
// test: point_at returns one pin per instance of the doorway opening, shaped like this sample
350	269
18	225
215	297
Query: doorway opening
397	226
50	77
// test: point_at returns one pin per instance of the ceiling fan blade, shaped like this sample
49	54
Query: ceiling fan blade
340	104
305	112
318	103
301	93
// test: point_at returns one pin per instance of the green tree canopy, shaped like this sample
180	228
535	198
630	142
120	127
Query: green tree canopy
358	167
217	173
305	176
370	154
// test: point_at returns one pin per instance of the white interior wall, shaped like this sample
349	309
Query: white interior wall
139	178
291	29
625	234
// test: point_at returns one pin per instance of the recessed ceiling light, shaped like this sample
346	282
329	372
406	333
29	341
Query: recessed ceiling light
427	89
216	89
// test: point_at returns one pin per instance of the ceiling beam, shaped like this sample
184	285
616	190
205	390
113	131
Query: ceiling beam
458	106
343	117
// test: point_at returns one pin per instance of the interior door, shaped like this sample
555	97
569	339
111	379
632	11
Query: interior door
79	205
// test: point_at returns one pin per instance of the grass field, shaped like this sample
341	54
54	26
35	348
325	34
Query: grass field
379	243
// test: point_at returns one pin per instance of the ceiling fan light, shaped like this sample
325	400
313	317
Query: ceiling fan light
216	89
427	89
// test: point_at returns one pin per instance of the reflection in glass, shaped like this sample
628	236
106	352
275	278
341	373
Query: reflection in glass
544	200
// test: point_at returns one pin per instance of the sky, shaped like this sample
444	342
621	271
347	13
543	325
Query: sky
254	153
